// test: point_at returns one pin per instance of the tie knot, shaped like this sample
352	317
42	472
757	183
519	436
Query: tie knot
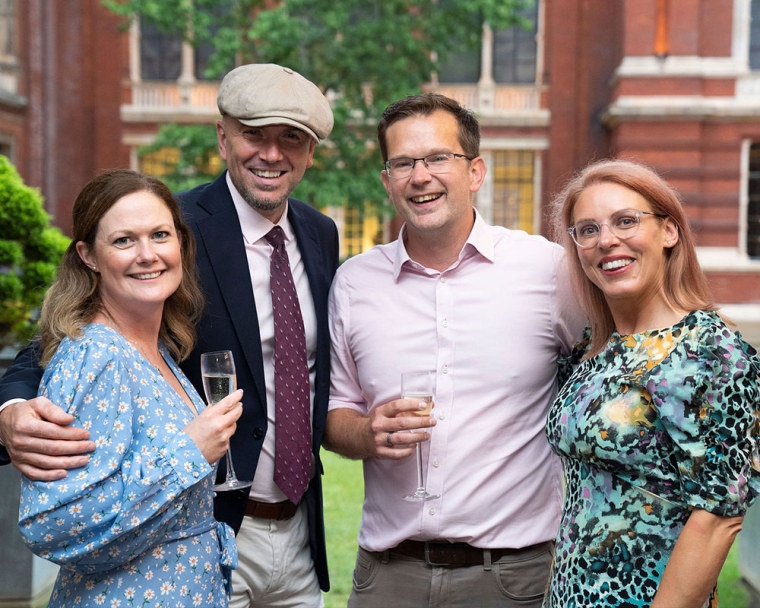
276	237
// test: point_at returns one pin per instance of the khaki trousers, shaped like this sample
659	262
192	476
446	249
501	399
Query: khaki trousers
275	568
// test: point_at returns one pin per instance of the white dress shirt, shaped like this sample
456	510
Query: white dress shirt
491	326
255	226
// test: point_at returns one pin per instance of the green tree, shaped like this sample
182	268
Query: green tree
30	250
366	53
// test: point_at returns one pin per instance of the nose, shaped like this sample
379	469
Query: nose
270	151
607	238
146	253
420	172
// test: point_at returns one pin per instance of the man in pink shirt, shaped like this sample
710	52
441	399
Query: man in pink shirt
490	311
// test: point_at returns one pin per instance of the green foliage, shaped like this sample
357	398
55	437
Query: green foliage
30	250
368	53
196	163
11	253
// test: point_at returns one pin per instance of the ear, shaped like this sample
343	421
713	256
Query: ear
671	233
86	256
312	145
477	173
386	182
221	139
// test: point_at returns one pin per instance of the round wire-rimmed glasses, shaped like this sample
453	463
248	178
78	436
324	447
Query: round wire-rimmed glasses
624	224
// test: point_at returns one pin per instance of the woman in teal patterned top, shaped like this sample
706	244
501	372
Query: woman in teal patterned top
135	526
657	425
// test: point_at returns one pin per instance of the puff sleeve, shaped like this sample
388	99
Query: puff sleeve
130	494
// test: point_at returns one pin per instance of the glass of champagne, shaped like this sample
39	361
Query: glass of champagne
219	380
419	386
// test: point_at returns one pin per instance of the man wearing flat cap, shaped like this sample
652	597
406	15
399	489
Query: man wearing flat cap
256	248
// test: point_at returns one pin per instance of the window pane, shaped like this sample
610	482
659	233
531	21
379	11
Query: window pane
514	52
513	191
463	66
361	229
753	206
754	37
160	53
7	28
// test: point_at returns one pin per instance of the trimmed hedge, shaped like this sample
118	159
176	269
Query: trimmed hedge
30	250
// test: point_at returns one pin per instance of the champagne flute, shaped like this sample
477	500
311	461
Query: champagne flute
419	386
219	380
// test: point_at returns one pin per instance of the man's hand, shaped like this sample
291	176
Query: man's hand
377	435
40	442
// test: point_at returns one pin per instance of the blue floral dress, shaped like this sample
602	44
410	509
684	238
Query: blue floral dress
135	527
657	423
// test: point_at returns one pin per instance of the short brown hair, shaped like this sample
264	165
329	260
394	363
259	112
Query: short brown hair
685	284
425	105
73	299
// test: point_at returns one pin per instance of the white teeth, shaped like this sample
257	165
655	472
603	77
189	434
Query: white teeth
268	173
426	198
151	275
616	264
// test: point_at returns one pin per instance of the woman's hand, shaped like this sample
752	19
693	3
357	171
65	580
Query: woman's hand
211	431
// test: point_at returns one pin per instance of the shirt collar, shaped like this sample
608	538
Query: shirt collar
479	241
254	225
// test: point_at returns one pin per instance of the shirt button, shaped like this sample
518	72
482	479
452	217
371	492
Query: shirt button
445	369
443	279
445	322
436	463
441	415
432	511
195	473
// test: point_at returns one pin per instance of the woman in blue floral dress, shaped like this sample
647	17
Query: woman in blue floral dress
135	526
657	425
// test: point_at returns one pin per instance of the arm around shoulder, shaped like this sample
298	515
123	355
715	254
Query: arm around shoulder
35	431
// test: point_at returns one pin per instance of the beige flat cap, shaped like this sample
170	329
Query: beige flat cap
262	94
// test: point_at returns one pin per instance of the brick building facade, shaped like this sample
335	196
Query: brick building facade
673	83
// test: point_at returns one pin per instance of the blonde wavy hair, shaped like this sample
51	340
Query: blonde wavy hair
685	285
74	299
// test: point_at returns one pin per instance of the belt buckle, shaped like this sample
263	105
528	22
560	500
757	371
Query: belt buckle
428	559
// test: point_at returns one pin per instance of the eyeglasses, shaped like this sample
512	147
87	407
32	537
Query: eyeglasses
623	225
399	168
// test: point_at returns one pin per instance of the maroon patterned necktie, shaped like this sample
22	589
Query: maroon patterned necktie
292	451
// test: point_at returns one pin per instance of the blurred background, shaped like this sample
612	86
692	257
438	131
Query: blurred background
88	85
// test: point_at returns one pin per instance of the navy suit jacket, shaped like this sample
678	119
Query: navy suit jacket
230	323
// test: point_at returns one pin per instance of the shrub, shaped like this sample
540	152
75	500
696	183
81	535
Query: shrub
30	250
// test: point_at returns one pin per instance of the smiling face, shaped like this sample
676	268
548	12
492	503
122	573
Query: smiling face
432	205
137	255
631	270
265	163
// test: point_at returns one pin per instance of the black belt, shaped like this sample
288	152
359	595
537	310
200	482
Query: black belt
453	555
271	510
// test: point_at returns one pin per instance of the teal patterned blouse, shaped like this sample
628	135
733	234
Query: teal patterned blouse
658	423
134	527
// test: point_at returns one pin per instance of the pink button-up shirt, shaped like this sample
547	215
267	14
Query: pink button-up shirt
492	327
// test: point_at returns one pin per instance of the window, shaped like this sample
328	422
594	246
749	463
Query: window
7	30
159	163
754	36
513	50
361	228
513	189
160	53
9	67
753	202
